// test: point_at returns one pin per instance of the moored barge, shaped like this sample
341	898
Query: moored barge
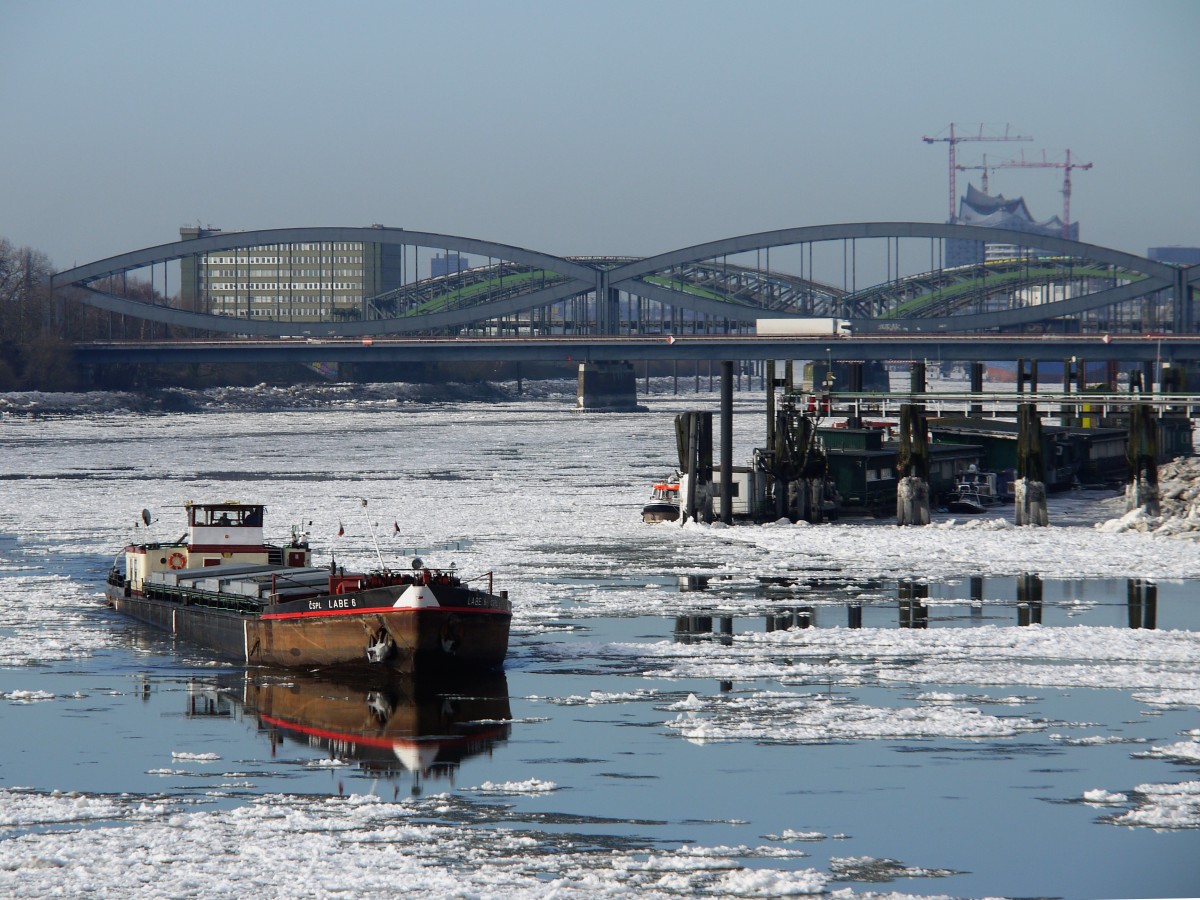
222	587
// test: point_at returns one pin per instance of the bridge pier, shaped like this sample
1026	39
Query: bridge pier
607	387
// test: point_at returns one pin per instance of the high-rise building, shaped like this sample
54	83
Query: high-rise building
329	281
449	264
1180	256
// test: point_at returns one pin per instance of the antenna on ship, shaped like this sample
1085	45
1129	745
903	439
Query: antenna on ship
371	527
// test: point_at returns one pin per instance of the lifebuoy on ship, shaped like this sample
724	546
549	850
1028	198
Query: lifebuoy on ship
176	560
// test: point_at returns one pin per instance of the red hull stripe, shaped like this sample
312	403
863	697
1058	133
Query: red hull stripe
384	742
318	613
226	548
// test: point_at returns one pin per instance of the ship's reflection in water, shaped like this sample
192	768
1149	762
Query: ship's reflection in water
391	727
798	602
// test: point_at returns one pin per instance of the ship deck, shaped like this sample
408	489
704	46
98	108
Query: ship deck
247	588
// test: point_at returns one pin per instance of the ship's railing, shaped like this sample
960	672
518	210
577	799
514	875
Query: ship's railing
207	599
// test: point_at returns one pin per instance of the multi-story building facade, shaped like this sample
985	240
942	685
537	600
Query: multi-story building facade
1179	256
309	282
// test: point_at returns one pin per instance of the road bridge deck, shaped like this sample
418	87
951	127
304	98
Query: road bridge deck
886	347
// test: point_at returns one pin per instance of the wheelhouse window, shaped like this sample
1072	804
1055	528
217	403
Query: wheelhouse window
225	515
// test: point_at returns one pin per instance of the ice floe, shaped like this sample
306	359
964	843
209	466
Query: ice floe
1183	751
1167	806
1102	797
806	720
319	846
26	696
1076	656
530	786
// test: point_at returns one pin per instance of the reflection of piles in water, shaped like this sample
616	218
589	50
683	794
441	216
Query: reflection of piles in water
909	608
427	727
699	629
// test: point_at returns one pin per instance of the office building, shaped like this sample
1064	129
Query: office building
330	281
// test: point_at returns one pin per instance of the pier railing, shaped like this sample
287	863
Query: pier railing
996	403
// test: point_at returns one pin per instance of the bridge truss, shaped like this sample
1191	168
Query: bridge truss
884	276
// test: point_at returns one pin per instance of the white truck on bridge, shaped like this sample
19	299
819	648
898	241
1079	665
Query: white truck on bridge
804	327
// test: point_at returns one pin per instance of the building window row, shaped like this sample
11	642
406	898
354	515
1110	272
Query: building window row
285	286
279	260
317	273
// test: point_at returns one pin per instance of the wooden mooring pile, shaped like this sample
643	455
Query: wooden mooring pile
800	472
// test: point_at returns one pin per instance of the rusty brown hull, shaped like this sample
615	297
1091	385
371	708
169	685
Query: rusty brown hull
418	640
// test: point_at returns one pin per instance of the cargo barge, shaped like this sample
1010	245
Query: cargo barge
220	586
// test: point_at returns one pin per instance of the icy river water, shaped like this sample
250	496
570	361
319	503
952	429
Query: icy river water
665	724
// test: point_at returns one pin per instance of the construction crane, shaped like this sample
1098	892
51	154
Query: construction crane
955	139
985	168
1067	166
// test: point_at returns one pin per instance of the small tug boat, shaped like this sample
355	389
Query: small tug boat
966	500
974	492
220	586
664	503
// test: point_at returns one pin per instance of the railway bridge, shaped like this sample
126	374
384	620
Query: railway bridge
1019	296
883	276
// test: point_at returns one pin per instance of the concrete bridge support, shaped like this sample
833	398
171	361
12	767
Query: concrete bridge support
607	387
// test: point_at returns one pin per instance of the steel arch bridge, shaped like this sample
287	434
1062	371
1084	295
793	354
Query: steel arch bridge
710	287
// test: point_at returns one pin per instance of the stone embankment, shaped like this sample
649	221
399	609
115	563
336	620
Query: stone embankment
1179	502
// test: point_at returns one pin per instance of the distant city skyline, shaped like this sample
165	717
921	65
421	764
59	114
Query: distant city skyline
604	128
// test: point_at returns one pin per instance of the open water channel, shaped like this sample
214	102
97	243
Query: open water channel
684	711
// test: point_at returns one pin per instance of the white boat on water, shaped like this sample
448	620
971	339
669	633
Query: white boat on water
664	503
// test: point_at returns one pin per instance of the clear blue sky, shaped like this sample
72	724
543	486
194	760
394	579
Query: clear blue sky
579	128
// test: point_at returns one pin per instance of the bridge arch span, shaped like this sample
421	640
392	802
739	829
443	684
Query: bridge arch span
1133	277
1154	276
579	278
